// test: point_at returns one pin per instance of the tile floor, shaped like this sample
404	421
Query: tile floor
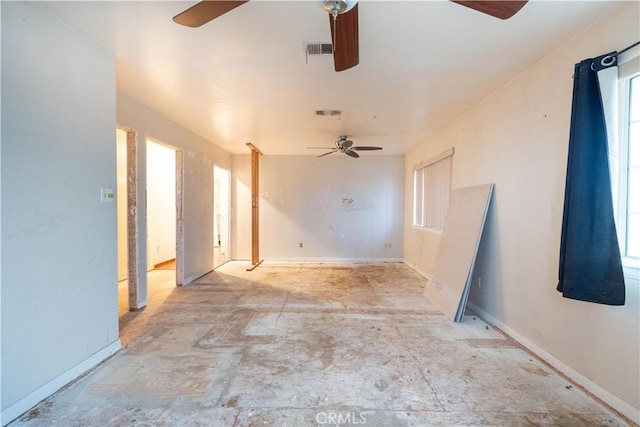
313	345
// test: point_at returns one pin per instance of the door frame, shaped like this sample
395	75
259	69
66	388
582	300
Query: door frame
136	210
227	238
179	207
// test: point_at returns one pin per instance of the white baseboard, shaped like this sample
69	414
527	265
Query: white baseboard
597	390
29	401
140	304
194	277
330	260
416	269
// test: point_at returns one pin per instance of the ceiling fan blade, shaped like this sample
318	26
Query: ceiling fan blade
352	154
499	9
326	154
346	52
365	148
346	143
205	11
321	148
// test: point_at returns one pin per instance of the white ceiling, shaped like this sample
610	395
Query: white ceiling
243	77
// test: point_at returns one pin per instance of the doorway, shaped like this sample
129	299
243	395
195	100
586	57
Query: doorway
163	200
161	207
164	233
221	215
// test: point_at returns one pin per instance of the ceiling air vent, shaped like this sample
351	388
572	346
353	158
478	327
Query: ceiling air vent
319	49
328	112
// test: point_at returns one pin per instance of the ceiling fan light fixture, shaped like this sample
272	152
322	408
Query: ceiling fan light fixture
350	5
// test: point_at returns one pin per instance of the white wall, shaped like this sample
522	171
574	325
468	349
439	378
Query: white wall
161	202
241	207
339	208
59	294
199	156
517	138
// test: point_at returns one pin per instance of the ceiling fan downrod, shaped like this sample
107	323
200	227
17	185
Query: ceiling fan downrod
335	7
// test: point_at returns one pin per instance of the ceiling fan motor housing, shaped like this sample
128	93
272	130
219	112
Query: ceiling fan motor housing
336	7
343	144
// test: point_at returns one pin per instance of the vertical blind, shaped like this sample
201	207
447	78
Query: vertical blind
432	185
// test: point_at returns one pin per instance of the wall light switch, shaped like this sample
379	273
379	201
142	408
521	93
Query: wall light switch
107	195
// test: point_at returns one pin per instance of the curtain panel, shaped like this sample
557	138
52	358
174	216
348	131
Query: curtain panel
590	265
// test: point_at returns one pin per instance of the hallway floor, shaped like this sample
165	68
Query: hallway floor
160	284
314	345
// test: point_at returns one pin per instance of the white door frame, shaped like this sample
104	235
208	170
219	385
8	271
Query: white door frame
227	238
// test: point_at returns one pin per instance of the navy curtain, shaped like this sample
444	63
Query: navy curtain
590	264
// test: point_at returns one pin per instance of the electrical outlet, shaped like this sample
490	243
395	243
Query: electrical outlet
300	244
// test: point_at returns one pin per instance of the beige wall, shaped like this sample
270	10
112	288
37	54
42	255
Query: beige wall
241	207
339	208
517	138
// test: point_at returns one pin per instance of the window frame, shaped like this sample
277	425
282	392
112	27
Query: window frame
628	69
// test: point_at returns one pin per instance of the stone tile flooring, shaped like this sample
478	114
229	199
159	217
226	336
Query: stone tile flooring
313	345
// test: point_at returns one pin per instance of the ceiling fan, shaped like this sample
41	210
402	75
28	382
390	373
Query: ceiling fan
345	146
343	20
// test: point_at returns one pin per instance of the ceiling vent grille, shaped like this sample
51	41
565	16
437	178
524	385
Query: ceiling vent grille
319	49
328	112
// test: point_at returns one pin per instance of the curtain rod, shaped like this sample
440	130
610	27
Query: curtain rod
627	48
608	60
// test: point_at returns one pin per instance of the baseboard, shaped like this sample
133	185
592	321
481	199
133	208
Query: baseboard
194	277
595	389
416	269
164	263
29	401
330	260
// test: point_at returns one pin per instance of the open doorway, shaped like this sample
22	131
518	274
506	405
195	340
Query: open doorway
161	206
164	233
221	215
162	197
